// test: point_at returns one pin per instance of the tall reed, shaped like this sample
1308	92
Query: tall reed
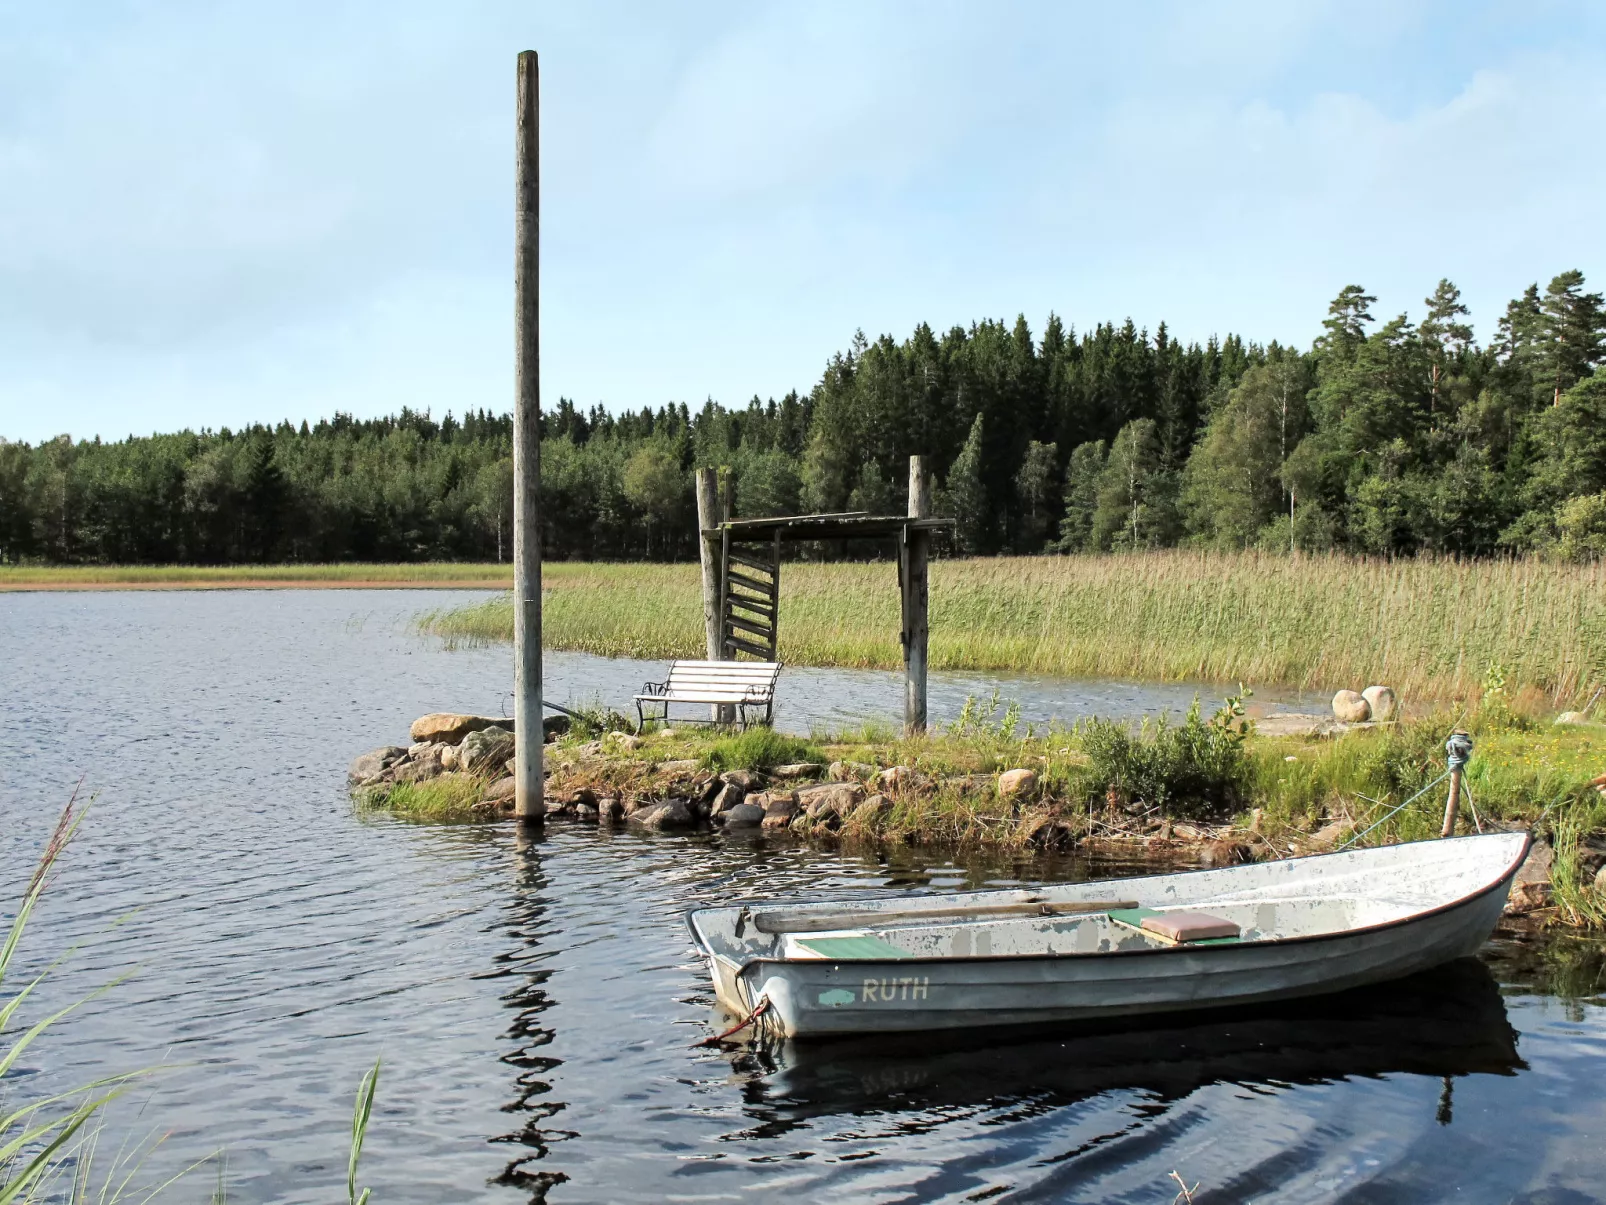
1431	628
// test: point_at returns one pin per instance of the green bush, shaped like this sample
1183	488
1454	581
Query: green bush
759	749
1193	770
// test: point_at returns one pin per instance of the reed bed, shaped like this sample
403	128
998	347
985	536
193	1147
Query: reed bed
1431	628
60	577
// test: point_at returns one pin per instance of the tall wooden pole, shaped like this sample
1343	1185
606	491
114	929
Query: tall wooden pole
916	601
530	797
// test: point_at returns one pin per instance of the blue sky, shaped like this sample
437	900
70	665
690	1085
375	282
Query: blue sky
215	213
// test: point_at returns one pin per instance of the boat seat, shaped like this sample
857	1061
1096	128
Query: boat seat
1179	928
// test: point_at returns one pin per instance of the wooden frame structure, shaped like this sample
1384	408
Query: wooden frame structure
742	587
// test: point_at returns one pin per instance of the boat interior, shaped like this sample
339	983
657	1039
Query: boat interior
1271	901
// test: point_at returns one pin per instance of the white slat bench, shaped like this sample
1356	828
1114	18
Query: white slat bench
736	684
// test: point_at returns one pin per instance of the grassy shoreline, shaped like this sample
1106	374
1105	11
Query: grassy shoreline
432	575
1433	629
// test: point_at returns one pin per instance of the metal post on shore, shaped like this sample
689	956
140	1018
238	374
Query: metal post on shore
530	796
916	596
1457	752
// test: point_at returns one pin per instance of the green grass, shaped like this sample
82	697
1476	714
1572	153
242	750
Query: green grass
1430	628
758	749
449	797
56	577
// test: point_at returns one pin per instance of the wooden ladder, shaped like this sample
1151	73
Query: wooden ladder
749	597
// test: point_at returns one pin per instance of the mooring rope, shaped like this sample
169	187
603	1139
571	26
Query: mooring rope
1395	811
762	1008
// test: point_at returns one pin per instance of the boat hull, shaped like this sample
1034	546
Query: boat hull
823	998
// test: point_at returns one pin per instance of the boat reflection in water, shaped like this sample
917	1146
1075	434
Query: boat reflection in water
1445	1023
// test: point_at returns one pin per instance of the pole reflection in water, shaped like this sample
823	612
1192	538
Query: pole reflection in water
527	998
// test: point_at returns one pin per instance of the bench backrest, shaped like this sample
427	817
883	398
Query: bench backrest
733	679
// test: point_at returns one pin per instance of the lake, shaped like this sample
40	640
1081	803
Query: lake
535	1000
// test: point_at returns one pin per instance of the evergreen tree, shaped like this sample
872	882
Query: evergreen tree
964	496
1082	476
1574	326
1034	486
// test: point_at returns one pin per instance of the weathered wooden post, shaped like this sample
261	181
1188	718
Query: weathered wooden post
708	518
1457	752
529	800
916	599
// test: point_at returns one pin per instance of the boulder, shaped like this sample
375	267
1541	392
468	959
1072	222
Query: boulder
418	770
370	766
1383	702
1572	717
451	727
871	810
609	809
1225	853
586	811
796	770
748	780
895	777
1330	835
1351	708
484	749
837	799
1600	878
671	814
743	815
730	795
448	756
779	808
683	766
554	726
1046	832
1015	783
848	771
624	742
502	788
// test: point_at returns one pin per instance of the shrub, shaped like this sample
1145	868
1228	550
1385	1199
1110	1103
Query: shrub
1193	770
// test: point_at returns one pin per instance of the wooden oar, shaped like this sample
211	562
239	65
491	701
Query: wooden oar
772	922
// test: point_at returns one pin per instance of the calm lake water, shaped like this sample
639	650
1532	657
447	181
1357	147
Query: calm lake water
535	1001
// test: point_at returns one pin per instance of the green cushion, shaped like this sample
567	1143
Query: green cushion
853	949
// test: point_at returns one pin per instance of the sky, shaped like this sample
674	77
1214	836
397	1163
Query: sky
218	213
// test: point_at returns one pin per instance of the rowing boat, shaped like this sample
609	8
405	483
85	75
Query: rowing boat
1115	947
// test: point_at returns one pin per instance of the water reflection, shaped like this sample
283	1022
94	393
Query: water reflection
1447	1023
530	935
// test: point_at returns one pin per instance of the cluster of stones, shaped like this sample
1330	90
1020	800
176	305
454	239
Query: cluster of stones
1374	704
474	748
804	797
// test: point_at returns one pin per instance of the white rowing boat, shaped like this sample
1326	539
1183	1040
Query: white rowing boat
1159	943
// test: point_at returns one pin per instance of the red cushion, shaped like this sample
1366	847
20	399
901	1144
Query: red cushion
1189	926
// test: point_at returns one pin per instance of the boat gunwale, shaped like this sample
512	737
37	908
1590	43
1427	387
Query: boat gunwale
1504	881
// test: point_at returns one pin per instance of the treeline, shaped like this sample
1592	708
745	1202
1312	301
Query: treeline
1392	438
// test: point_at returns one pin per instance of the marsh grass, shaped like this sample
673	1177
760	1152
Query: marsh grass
1431	628
448	797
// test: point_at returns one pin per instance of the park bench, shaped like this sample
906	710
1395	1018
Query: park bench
738	685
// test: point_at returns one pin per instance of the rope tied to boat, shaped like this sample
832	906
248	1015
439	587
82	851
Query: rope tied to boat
759	1010
1457	750
1394	811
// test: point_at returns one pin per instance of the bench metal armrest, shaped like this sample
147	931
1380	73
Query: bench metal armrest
654	688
